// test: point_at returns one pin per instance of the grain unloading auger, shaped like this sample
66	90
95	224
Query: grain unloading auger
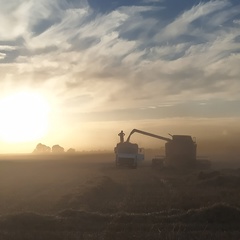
180	151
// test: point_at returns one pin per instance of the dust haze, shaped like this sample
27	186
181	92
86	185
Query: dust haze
78	78
84	196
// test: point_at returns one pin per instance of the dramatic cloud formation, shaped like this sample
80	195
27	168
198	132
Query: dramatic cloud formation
141	59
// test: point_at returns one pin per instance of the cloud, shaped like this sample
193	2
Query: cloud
236	21
152	1
183	24
2	55
125	58
7	48
14	19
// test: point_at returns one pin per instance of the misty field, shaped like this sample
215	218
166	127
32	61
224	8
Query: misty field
86	197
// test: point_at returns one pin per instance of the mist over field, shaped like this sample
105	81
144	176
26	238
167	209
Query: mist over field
67	196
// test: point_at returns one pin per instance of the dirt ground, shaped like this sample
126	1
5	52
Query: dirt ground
86	197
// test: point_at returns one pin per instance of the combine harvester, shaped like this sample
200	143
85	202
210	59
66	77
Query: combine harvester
180	151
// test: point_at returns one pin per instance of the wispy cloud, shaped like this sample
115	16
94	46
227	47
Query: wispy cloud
124	58
236	21
2	55
152	1
14	19
7	47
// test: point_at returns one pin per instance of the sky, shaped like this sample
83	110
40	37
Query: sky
165	66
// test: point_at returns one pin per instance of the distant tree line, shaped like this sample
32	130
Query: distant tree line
56	149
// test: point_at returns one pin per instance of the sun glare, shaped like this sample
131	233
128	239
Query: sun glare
23	117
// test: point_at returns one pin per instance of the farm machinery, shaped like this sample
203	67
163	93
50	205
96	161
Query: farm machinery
127	154
180	151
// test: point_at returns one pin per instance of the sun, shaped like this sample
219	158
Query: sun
23	117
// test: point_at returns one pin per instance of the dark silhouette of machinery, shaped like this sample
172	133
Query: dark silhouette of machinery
180	150
127	154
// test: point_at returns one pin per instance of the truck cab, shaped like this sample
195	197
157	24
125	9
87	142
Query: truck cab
128	154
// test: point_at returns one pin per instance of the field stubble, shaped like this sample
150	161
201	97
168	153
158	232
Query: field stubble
86	197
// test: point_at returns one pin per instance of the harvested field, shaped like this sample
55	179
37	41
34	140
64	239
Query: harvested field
86	197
